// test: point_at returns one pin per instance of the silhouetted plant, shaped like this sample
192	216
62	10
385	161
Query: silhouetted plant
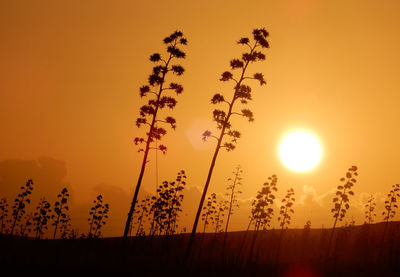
149	112
286	209
136	218
390	210
60	208
18	209
97	217
41	217
307	226
158	216
3	215
305	237
262	209
284	216
348	226
73	233
370	210
341	201
241	93
141	214
232	191
208	215
65	227
175	198
209	211
183	230
167	205
221	207
391	203
101	220
26	227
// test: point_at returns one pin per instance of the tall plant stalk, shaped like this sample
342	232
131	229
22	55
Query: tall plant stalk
60	208
241	93
97	217
18	209
232	191
284	218
370	210
341	202
389	212
149	112
262	210
41	217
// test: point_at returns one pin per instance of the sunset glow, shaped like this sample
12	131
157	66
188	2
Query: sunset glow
300	151
208	138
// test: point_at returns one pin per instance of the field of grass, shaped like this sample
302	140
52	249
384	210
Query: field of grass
356	251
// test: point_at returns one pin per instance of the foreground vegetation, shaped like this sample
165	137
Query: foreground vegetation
157	244
355	251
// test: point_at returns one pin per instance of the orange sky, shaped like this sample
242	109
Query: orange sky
70	73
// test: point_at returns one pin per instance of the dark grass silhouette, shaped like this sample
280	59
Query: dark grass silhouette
390	211
284	218
219	216
141	216
19	207
354	250
60	212
3	215
210	211
97	217
370	214
232	203
341	203
261	213
26	226
355	253
41	218
166	206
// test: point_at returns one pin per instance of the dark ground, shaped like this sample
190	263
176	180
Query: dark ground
356	251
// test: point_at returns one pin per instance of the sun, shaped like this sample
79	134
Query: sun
300	151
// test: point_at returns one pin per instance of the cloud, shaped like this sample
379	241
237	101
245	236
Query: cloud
317	207
118	200
48	175
309	196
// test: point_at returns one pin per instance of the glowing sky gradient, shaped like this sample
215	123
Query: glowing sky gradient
70	73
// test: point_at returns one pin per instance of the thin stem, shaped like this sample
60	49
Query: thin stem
334	224
146	152
218	147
